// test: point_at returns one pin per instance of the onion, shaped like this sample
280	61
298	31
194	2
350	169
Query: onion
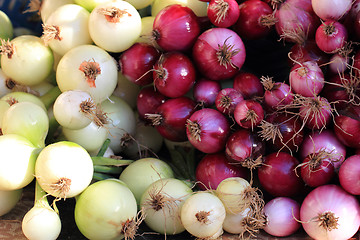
127	90
337	10
287	183
347	126
281	215
276	93
227	99
223	13
331	36
307	50
9	199
147	101
249	113
207	130
174	74
248	84
203	215
205	91
219	53
282	132
323	141
176	28
171	116
214	168
137	61
328	212
114	25
255	21
306	79
349	174
199	7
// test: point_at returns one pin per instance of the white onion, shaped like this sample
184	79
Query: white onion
49	6
9	199
114	25
127	90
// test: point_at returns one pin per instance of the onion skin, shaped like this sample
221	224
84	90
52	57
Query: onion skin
176	28
229	17
212	130
205	91
277	175
331	9
331	36
214	167
147	101
349	174
330	198
205	50
320	175
248	84
347	127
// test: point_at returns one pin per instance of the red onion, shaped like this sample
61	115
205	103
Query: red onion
137	61
148	100
315	112
207	130
349	174
248	84
227	99
213	168
307	50
170	118
255	21
338	63
205	91
331	36
223	13
295	17
347	126
331	9
248	113
323	141
282	214
356	26
286	183
317	169
306	79
245	148
174	74
282	132
276	93
219	53
176	28
329	212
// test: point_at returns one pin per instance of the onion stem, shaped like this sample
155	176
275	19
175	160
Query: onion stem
106	161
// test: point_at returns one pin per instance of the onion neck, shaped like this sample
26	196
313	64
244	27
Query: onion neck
221	8
328	221
225	53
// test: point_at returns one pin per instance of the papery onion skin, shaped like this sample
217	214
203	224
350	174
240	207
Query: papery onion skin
281	214
207	130
205	50
213	168
277	175
349	174
330	198
176	28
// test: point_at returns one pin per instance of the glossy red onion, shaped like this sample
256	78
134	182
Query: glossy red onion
249	113
205	91
324	140
255	21
329	212
137	61
331	36
207	130
277	175
174	74
276	93
213	168
307	50
148	100
248	84
219	53
307	79
349	174
227	99
347	126
176	28
244	148
170	118
315	112
223	13
282	214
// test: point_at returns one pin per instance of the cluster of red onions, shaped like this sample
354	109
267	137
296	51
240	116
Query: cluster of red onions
298	137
